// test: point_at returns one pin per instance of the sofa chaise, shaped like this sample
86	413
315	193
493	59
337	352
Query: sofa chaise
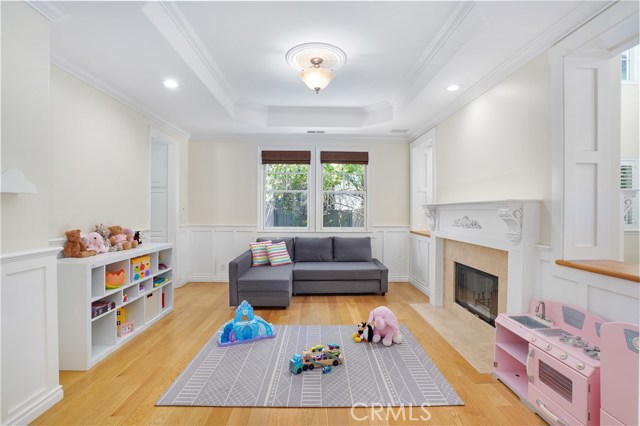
325	265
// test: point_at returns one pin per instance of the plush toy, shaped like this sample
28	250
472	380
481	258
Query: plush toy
137	237
105	234
385	326
75	247
128	232
95	242
118	238
364	334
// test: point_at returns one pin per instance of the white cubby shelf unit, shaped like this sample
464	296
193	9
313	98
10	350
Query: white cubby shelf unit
84	341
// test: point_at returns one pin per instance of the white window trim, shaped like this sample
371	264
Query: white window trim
320	191
634	70
311	207
314	202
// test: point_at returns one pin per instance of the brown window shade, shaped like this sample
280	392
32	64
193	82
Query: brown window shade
344	157
286	157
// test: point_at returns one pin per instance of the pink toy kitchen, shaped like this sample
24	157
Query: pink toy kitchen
568	365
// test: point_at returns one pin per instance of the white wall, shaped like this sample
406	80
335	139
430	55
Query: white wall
499	146
223	185
99	159
25	124
629	127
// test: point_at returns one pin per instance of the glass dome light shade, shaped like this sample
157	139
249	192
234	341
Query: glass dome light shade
316	78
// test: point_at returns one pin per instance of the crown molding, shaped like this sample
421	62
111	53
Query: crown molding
459	27
545	41
49	9
280	139
100	85
174	25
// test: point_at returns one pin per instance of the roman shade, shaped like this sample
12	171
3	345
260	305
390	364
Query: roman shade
344	157
286	157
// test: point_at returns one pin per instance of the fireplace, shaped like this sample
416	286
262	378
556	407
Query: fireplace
477	292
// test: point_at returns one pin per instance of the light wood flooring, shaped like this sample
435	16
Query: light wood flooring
123	389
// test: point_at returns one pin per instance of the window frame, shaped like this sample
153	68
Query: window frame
315	192
633	68
262	191
320	192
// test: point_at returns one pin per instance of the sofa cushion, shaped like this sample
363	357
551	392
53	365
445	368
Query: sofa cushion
327	271
352	249
314	249
278	254
259	254
266	279
287	241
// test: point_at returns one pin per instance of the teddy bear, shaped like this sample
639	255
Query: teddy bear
105	234
130	237
75	247
95	242
118	238
385	326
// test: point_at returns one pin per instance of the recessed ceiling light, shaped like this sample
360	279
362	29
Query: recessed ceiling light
452	88
170	83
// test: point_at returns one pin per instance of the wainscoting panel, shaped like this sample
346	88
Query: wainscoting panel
611	298
212	247
419	262
184	257
29	332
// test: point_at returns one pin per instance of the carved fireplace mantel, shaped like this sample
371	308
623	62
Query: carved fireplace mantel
509	225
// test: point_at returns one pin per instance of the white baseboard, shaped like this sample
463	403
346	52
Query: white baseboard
398	278
36	408
420	286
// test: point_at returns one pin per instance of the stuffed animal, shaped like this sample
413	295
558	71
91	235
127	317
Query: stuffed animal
118	238
365	333
105	234
95	242
128	232
75	247
385	326
137	237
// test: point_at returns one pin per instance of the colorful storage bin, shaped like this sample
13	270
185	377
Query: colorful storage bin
140	268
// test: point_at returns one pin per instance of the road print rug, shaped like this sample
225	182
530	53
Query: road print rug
257	374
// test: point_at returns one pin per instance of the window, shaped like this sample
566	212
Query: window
286	189
629	65
344	189
329	193
629	186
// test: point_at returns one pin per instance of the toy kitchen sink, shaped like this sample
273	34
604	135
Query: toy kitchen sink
552	363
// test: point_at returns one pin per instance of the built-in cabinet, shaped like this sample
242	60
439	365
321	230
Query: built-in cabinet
143	295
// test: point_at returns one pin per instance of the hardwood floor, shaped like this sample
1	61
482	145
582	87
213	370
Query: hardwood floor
123	389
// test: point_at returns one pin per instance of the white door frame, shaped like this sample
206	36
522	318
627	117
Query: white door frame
173	190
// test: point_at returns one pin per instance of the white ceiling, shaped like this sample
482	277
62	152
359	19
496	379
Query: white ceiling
229	59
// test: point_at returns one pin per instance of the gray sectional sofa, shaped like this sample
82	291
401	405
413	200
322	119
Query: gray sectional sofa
325	265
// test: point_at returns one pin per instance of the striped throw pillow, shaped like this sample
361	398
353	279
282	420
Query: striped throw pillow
259	255
278	254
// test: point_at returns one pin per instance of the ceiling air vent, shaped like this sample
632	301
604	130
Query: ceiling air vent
315	132
399	130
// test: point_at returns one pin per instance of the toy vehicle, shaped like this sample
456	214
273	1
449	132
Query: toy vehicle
326	369
311	359
333	346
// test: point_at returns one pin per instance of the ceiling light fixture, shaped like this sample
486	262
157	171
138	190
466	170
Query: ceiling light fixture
170	83
452	88
316	63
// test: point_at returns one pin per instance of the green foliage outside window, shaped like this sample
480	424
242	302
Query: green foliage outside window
286	195
343	198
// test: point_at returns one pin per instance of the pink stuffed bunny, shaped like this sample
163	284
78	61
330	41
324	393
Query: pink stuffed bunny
385	326
95	242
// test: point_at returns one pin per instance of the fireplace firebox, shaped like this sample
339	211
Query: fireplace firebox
477	292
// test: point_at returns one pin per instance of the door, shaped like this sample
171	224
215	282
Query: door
159	192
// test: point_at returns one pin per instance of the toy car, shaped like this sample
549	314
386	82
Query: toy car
326	369
333	346
317	348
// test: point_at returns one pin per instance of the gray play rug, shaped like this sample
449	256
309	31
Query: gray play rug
257	374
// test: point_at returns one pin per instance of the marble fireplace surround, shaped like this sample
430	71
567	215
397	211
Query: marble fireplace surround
509	226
